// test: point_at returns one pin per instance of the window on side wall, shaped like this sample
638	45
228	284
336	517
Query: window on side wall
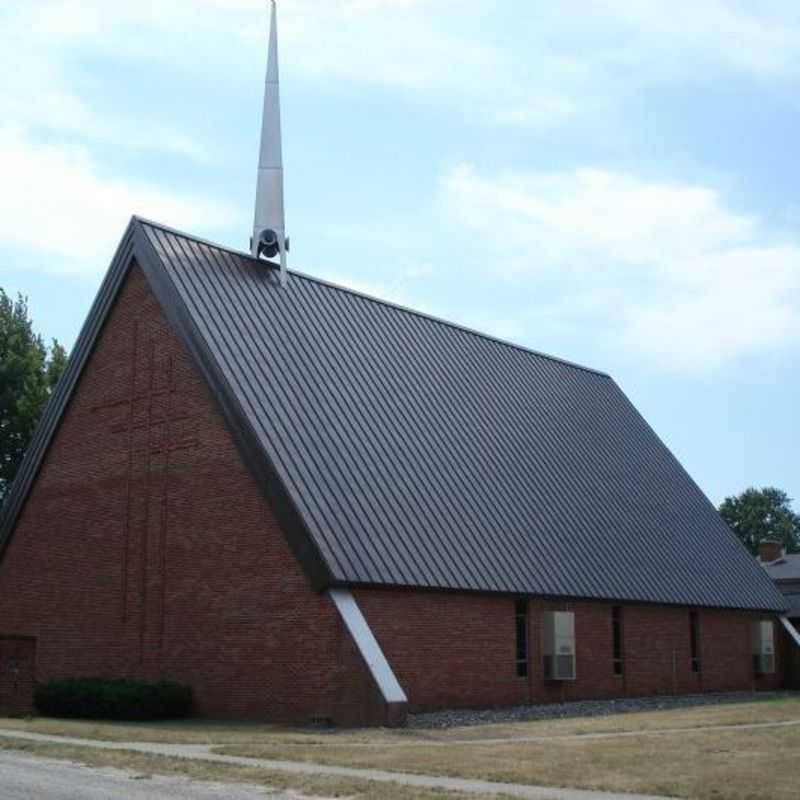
694	639
521	620
764	647
558	645
616	628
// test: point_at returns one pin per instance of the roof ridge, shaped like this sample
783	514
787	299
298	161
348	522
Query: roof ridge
389	303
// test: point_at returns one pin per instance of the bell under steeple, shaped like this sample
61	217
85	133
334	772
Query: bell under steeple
269	226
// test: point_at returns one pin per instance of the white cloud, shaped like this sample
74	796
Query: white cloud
407	45
57	202
41	41
662	269
61	202
628	219
537	64
758	38
523	64
46	106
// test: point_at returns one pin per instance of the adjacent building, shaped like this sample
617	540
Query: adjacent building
784	570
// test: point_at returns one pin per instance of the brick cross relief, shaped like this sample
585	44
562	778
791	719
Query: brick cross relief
150	420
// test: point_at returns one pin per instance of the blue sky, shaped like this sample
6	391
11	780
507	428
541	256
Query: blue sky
614	182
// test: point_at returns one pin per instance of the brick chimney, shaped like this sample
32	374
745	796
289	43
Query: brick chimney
769	551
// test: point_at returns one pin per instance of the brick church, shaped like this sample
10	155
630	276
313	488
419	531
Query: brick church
307	503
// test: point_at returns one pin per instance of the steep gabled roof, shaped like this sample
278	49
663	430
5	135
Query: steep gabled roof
406	451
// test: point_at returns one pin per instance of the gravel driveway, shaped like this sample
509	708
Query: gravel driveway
24	777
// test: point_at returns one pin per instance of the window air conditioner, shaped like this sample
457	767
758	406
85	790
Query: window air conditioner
558	645
763	647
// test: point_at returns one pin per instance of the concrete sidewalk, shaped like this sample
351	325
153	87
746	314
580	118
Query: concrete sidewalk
203	753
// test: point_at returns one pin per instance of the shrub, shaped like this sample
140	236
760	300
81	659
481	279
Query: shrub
97	698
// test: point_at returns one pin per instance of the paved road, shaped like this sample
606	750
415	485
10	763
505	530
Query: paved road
24	777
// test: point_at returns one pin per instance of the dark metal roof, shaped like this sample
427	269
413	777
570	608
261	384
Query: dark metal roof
403	450
786	568
793	601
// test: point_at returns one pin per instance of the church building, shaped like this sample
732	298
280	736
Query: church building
310	504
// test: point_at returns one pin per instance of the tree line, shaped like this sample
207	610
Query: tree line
29	371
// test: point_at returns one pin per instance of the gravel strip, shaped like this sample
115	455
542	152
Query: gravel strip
588	708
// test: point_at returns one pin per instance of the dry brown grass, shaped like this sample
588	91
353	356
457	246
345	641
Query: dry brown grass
305	785
735	765
227	733
707	765
178	732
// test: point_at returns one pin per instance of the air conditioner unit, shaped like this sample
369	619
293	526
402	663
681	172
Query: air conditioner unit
558	645
763	647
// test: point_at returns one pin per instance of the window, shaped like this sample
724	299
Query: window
521	618
694	639
763	647
616	626
558	645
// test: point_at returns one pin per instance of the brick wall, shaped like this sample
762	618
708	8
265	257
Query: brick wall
147	550
459	650
447	649
17	668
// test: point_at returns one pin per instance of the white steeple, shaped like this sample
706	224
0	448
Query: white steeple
269	227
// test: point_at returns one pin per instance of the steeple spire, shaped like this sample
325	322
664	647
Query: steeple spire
269	227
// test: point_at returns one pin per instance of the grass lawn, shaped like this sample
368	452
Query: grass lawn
193	731
735	765
708	765
312	786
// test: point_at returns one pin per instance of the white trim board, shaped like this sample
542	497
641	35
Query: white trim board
368	646
791	630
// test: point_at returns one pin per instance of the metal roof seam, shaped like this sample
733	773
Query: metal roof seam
388	460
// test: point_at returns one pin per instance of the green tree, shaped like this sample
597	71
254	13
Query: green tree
758	515
29	372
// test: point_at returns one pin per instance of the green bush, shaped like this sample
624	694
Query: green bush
98	698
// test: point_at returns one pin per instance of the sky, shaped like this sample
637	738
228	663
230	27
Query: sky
614	182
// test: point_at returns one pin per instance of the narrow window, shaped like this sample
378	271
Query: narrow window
694	638
558	645
764	647
521	617
616	625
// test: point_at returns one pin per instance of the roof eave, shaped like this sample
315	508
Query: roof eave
779	607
